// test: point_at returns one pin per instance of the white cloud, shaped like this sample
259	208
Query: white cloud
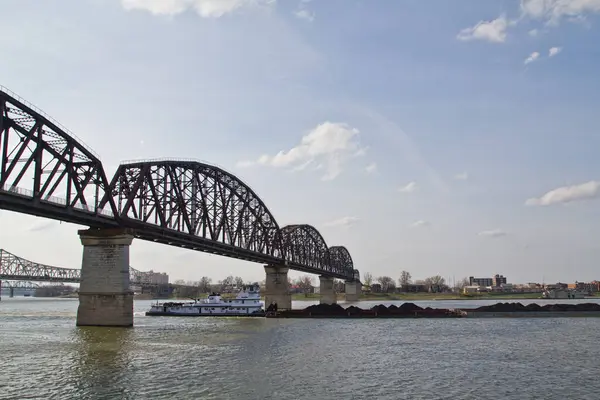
533	32
554	10
305	14
344	222
492	31
409	188
554	51
204	8
329	145
532	57
493	233
420	224
567	194
371	168
463	176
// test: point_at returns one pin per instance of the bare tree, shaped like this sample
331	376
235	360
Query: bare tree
461	284
204	284
387	283
238	281
339	286
305	283
227	283
436	283
404	279
367	279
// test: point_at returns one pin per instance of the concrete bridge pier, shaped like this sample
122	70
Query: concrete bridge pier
353	290
276	287
326	290
104	295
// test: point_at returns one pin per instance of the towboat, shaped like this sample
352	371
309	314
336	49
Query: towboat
246	304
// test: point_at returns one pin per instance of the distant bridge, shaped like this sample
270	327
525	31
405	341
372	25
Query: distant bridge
13	268
46	171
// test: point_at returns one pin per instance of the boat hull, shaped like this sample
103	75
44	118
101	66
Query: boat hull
170	314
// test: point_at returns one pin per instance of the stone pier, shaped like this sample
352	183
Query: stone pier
104	295
326	290
353	290
276	287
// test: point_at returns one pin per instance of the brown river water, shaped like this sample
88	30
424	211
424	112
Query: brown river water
44	356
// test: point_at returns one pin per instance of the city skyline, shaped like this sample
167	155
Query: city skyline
451	141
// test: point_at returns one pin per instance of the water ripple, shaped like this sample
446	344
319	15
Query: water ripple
46	357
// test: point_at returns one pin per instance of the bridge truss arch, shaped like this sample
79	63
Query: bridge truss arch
341	261
44	163
303	246
202	205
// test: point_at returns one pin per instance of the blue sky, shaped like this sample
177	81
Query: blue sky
437	139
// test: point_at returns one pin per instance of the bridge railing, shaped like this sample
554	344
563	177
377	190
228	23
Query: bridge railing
48	117
56	200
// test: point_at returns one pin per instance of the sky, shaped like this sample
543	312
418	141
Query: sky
423	136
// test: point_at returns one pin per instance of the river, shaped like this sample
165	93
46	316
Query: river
44	356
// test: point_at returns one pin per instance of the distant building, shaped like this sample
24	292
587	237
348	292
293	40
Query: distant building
413	288
586	287
481	281
498	280
154	278
495	281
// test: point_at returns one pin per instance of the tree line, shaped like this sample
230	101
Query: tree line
435	283
195	289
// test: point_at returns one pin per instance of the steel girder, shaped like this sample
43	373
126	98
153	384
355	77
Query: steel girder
202	207
194	205
19	285
45	171
15	268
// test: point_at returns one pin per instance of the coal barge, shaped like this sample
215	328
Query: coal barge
411	310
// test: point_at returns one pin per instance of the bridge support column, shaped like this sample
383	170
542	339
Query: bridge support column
353	290
11	292
326	290
276	287
104	295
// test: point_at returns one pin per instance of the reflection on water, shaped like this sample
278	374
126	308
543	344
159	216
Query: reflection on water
44	356
101	358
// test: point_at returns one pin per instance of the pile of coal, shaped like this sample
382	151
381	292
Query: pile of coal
336	309
518	307
325	309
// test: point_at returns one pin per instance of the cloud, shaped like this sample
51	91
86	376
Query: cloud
409	188
554	51
305	14
344	222
204	8
532	57
554	10
493	31
567	194
371	168
463	176
533	32
329	145
493	233
420	224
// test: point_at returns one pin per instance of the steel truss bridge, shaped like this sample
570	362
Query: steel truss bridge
46	171
13	268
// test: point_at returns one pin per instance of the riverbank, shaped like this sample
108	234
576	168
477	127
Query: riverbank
424	296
